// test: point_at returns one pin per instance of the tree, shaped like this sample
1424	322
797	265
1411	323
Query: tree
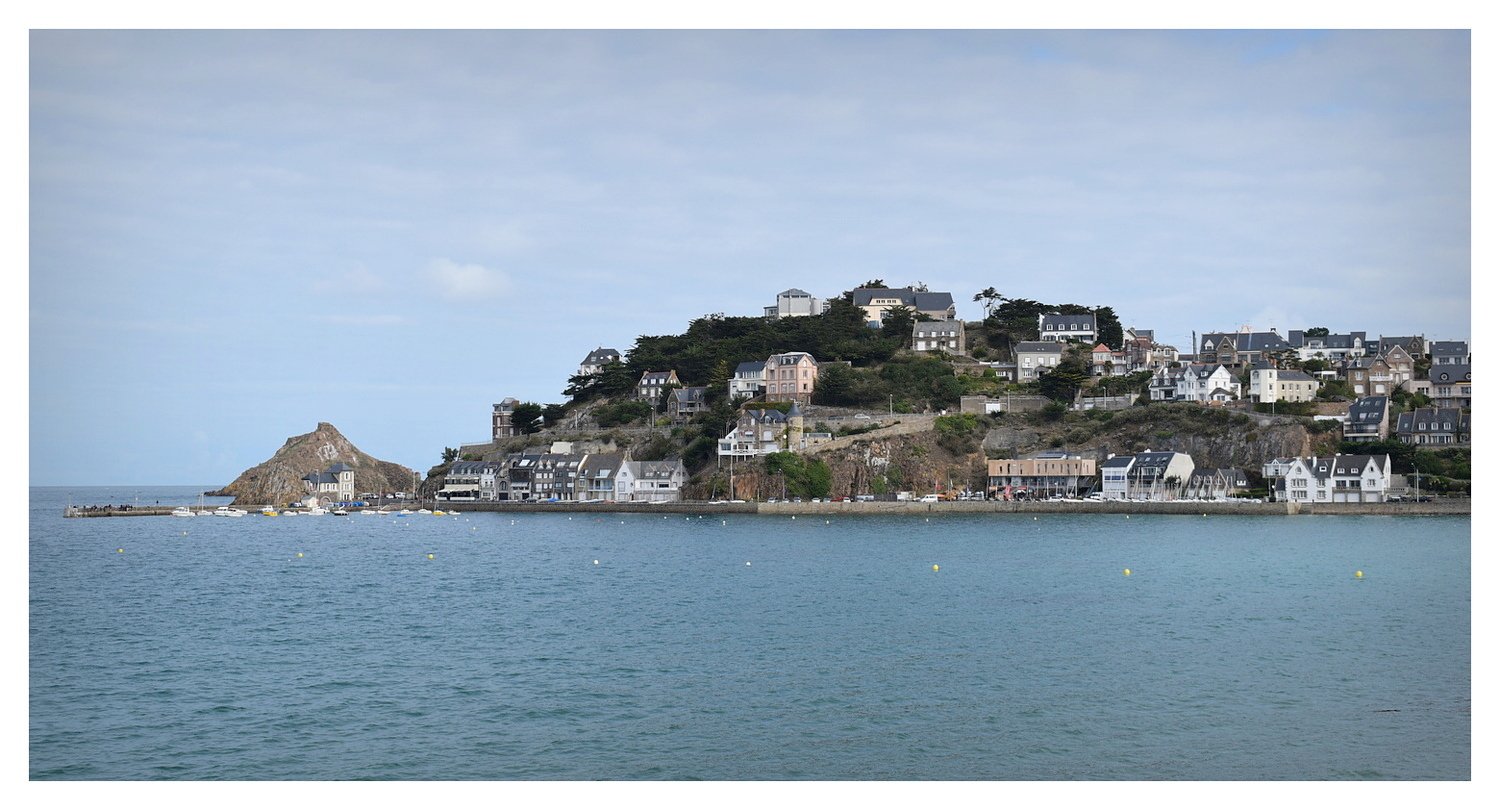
525	417
450	455
1316	331
991	299
553	414
896	323
1063	381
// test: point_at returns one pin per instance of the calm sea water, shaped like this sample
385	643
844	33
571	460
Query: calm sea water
746	648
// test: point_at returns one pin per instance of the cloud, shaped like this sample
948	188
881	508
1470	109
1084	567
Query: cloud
465	282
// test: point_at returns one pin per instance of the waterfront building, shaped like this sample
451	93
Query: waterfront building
335	483
596	476
470	481
1040	476
1335	479
1149	475
650	481
1216	484
1449	352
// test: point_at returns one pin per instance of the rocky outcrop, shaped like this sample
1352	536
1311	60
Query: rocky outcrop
279	479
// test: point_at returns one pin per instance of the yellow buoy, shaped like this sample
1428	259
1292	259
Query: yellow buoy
1359	575
596	562
934	568
1127	572
299	554
122	551
429	556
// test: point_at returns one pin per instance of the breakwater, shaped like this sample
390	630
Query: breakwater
1456	506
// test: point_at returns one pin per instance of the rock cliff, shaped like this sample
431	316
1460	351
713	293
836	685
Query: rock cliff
279	479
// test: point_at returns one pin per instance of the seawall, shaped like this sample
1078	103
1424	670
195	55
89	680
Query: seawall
1456	506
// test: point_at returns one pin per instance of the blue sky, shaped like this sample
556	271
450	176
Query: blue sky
236	235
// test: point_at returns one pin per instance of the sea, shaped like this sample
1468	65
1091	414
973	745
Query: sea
646	647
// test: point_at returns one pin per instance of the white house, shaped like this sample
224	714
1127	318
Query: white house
794	302
1195	383
1335	479
749	380
1054	327
1271	384
651	481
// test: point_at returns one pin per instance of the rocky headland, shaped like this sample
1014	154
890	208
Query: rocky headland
278	480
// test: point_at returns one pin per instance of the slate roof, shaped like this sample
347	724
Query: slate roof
935	328
1084	323
919	301
600	356
688	395
1431	420
1449	348
1039	347
656	470
1368	410
1247	341
755	367
1298	338
1449	374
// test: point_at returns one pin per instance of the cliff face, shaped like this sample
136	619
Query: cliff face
279	479
926	462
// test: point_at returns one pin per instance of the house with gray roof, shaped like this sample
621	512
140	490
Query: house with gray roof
1149	475
1067	328
749	380
650	481
938	336
597	360
654	383
1433	426
1335	479
1328	347
1451	385
1036	357
1240	349
1368	420
596	476
685	402
875	301
335	483
1449	352
1415	345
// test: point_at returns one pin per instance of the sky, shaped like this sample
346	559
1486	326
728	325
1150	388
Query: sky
236	235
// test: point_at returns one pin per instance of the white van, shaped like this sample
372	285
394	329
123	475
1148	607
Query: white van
928	499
